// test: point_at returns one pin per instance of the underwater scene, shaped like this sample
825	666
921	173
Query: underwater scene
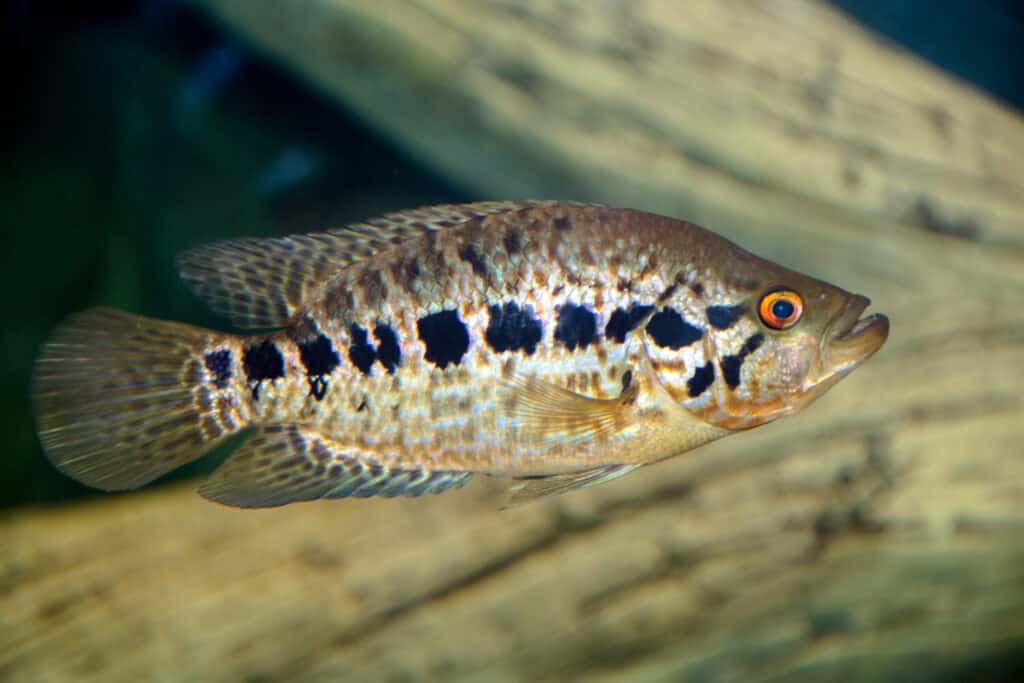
513	340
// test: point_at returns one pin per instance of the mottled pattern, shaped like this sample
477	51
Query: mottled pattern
507	338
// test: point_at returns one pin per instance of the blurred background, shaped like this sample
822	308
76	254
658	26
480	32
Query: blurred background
136	129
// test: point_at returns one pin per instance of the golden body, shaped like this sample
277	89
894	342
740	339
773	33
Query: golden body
515	339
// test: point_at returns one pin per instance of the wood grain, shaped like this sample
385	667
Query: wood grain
877	536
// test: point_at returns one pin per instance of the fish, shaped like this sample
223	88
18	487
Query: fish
558	344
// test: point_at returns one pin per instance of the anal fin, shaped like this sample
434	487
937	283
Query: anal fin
534	488
288	463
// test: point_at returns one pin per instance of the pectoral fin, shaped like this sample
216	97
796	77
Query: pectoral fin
544	411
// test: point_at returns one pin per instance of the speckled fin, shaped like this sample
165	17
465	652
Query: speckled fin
262	282
120	399
284	464
527	490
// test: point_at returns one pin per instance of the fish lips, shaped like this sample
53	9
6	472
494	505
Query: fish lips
850	339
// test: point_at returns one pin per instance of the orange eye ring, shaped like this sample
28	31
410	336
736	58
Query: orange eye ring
780	309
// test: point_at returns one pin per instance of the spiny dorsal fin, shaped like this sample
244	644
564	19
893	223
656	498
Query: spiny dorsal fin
263	282
283	464
531	489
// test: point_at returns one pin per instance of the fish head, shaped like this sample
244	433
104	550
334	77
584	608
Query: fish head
775	341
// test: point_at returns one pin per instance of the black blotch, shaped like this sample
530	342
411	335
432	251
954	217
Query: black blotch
389	352
320	359
622	321
701	380
360	351
667	294
697	288
731	364
576	326
512	328
262	361
219	365
319	356
731	370
513	242
752	344
627	379
668	329
723	317
444	336
470	255
562	223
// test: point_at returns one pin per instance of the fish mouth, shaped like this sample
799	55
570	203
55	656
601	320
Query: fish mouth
854	339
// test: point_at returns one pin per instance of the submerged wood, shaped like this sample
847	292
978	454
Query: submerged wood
877	536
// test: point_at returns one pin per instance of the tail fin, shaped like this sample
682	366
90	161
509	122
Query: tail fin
121	399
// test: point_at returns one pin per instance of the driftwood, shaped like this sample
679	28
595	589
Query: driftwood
878	536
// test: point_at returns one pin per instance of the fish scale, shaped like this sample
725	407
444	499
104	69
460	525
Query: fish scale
566	343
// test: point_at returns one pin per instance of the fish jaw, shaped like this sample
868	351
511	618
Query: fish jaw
849	340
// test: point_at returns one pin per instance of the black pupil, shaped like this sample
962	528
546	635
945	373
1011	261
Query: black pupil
782	309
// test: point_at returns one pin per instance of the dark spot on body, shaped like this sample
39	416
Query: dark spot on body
362	405
512	328
219	365
667	294
475	259
697	288
360	351
320	359
622	321
752	344
562	223
445	337
731	364
668	329
513	242
723	317
389	351
576	326
701	380
624	285
319	356
262	361
627	379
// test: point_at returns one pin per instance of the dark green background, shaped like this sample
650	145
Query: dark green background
134	130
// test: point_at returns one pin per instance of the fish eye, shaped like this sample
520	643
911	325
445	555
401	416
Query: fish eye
780	309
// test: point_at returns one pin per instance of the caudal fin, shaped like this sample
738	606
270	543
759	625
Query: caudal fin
120	399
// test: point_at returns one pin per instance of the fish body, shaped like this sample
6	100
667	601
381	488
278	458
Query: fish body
560	342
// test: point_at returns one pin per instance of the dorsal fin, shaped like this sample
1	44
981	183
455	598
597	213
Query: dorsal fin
263	282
